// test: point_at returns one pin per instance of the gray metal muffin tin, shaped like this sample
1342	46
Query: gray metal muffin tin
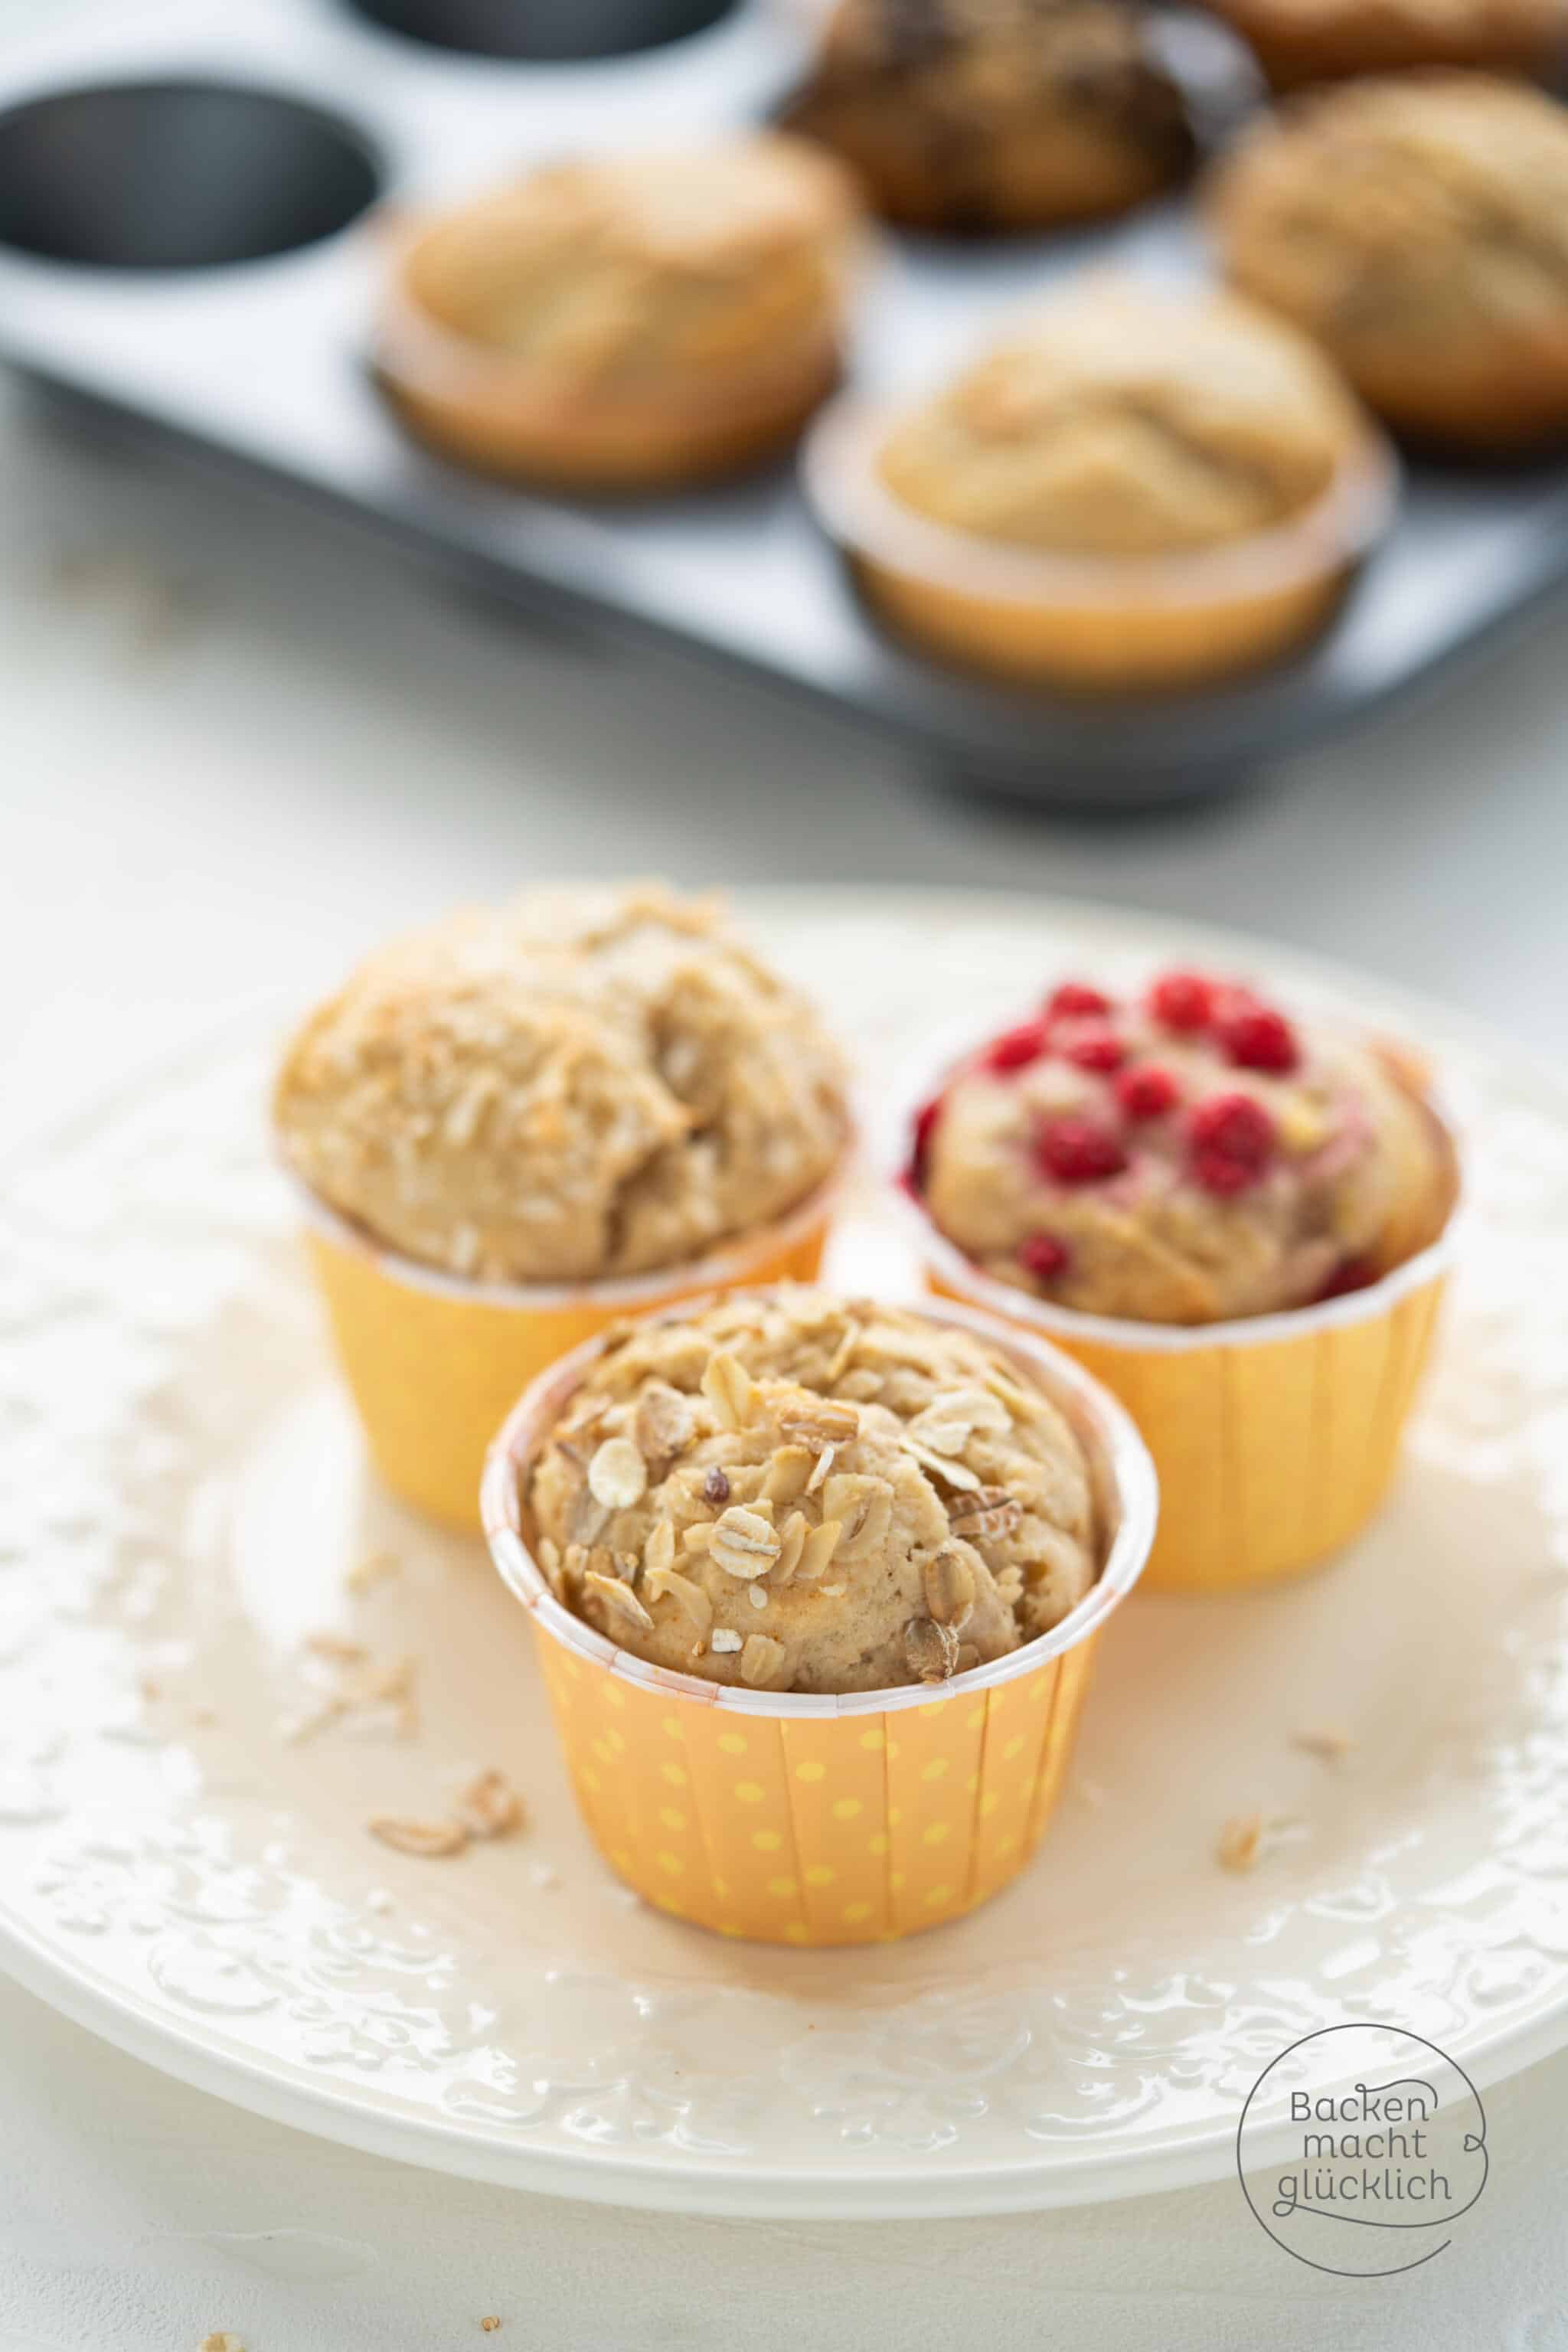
195	248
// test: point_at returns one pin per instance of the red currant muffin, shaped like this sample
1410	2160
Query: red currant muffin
1230	1216
1189	1156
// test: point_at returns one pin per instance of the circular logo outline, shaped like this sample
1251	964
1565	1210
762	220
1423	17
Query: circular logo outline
1473	2142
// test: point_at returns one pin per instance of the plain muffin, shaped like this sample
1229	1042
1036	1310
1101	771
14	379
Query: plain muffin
1322	40
995	114
1143	485
1121	423
793	1491
1187	1156
582	1084
627	322
1417	225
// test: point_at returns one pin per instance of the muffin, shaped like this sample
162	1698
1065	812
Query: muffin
1189	1159
1233	1217
641	321
1144	486
799	1495
1418	227
995	114
1322	40
815	1585
511	1125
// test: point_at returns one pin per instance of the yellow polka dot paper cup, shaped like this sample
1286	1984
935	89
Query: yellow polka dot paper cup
795	1819
433	1362
1275	1438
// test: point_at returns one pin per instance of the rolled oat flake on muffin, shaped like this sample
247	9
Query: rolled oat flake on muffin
843	1551
576	1086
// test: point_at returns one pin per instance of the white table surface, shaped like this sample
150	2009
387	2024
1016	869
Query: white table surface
234	747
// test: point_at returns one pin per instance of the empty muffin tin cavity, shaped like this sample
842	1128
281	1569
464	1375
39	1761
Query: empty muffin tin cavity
177	174
544	30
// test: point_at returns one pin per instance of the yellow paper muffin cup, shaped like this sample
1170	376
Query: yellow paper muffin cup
796	1819
1275	1437
434	1362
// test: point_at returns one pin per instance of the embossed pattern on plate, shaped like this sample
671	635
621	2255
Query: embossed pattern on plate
185	1862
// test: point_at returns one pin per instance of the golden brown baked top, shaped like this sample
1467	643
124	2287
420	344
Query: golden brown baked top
580	1084
689	261
1184	1156
960	81
1301	39
1415	208
1129	420
798	1492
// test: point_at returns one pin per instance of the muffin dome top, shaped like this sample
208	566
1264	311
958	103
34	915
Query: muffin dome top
795	1492
1313	40
1402	209
576	1085
694	259
1186	1157
1128	420
984	113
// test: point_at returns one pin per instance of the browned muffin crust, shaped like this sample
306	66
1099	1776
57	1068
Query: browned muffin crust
1417	225
994	114
1298	41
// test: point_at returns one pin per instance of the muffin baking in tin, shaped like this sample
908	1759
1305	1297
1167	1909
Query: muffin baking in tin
1144	486
634	322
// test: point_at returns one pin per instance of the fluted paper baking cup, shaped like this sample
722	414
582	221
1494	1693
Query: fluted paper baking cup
795	1819
434	1362
1275	1437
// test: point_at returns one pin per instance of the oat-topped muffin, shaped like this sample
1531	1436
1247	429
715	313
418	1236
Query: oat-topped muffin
795	1492
642	319
1418	226
997	114
580	1084
1124	421
1184	1156
1320	40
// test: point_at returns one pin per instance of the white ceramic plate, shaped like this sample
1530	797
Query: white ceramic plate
182	1501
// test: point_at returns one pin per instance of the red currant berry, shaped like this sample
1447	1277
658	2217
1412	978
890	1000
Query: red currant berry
1147	1092
1181	1000
923	1128
1233	1129
1078	1151
1097	1049
1073	999
1350	1274
1216	1173
1043	1257
1255	1038
1016	1048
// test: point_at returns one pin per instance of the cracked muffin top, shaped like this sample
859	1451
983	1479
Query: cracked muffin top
694	260
1183	1156
1129	420
795	1492
1394	217
979	114
578	1085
